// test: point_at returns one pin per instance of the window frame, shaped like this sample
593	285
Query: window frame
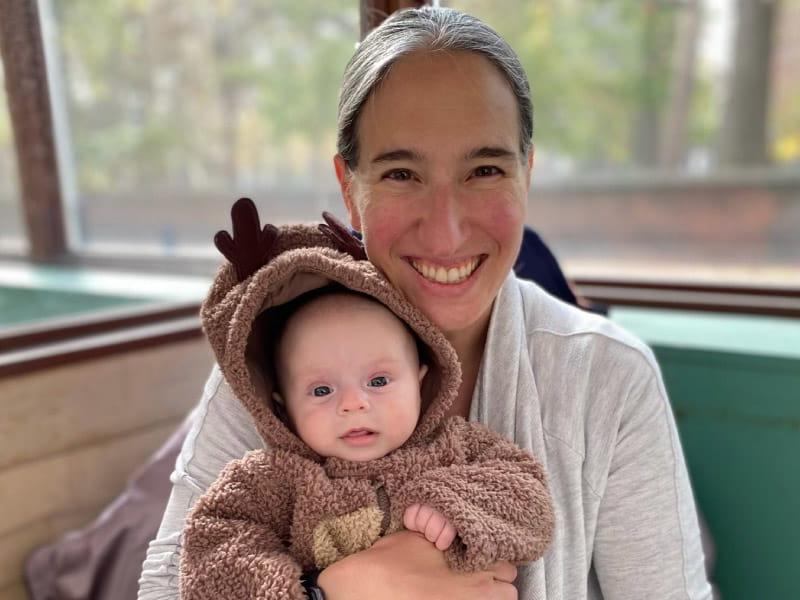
41	194
22	52
48	344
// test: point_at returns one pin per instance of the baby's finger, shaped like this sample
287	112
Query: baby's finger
423	516
435	526
446	537
410	517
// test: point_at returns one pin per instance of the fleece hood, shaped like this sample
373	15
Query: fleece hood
271	266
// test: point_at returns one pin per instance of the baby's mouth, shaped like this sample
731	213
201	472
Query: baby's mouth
358	433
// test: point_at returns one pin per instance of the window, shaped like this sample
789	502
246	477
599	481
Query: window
165	113
644	168
173	110
11	231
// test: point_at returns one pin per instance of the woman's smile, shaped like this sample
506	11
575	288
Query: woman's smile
448	273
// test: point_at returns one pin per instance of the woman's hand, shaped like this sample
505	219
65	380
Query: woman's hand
405	566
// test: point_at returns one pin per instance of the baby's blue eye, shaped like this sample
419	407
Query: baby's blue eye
379	381
322	390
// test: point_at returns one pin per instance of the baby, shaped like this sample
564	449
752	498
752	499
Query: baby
350	376
351	400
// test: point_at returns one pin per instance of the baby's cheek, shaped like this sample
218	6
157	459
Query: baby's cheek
405	421
313	428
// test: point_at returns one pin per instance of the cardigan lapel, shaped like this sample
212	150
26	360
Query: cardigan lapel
506	400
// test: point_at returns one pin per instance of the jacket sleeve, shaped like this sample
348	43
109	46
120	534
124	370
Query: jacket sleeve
494	494
233	541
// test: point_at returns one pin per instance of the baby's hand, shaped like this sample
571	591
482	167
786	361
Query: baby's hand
430	523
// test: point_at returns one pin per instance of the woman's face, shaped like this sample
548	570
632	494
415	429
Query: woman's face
440	188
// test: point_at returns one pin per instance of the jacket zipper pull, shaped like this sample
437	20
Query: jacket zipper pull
385	505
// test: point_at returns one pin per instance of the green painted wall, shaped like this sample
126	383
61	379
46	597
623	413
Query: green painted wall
738	412
30	293
25	305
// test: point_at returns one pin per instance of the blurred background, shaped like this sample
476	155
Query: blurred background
667	132
667	183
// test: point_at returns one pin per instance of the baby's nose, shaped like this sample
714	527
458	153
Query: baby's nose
352	400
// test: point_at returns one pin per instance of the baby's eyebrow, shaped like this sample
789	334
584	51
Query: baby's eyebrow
384	361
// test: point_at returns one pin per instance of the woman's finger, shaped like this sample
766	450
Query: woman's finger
503	571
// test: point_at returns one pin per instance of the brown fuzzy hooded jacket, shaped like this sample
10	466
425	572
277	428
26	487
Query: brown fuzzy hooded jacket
283	510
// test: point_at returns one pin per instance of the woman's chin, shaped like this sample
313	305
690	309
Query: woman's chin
454	319
453	308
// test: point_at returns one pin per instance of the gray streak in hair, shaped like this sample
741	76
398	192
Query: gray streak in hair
425	29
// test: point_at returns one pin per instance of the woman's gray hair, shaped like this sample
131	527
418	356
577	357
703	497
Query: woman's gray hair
423	29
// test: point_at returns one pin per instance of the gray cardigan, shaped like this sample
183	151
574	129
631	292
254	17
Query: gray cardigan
581	394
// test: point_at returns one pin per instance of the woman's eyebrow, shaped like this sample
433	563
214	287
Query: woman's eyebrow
403	154
394	155
490	152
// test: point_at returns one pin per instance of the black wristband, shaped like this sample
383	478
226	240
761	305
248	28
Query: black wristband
309	581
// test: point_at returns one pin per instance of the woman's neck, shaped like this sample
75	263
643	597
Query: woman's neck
469	347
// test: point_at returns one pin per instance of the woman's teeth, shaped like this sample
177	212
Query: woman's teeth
454	274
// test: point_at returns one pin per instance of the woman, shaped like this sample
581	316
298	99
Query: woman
434	162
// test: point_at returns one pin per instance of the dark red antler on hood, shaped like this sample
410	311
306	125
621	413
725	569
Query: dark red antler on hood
340	235
251	247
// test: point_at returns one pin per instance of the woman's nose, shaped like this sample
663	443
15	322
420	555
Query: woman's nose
352	400
443	228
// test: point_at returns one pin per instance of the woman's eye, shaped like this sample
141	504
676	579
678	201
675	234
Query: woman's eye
487	171
398	175
379	381
322	390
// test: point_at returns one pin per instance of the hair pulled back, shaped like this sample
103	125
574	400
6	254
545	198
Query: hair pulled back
424	29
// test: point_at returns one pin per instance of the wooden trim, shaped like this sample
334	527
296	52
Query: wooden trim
98	346
22	52
742	290
101	336
721	299
374	12
659	179
106	321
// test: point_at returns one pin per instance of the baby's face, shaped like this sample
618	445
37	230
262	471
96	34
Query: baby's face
351	378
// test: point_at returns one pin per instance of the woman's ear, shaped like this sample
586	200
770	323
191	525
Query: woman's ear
423	369
345	177
530	162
